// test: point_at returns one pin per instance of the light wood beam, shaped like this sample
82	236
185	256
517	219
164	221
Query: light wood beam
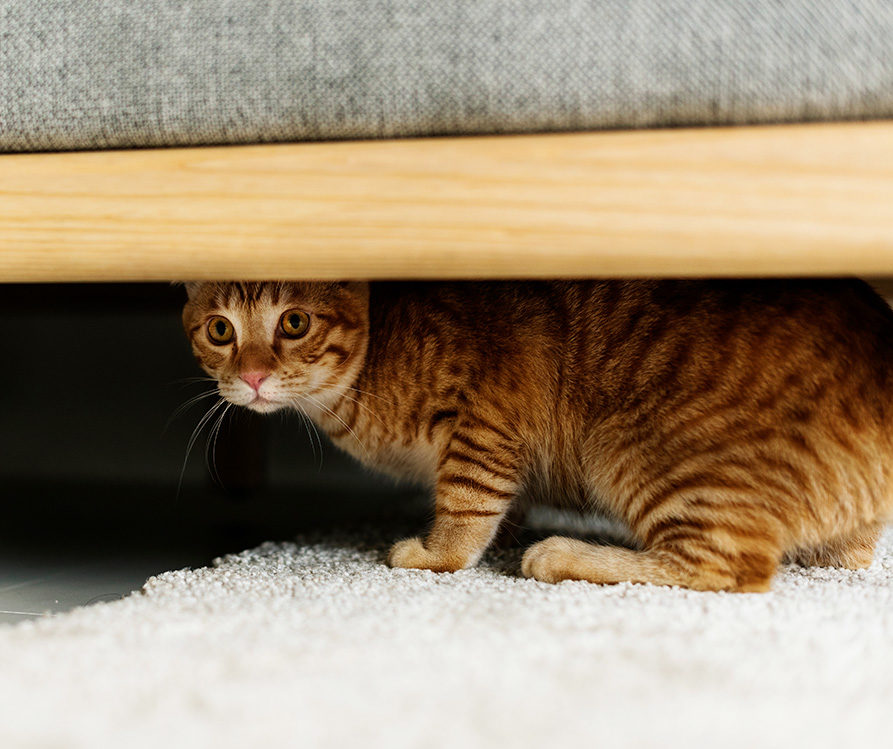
779	200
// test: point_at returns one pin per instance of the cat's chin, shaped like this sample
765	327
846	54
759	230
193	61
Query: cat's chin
264	406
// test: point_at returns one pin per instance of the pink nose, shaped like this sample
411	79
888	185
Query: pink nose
254	378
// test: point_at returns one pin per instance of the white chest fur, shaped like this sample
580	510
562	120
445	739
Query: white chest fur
365	435
416	462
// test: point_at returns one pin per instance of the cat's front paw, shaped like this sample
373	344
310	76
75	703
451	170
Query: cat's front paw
411	553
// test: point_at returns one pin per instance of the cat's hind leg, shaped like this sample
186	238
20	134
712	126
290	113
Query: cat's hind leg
689	557
707	519
558	558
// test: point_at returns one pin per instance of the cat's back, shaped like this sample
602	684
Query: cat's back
616	315
636	336
613	338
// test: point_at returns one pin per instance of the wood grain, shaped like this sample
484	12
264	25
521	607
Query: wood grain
780	200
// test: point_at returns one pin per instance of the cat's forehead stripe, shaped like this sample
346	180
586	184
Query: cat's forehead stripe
242	293
270	293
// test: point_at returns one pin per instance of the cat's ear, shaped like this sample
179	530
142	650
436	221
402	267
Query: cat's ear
191	287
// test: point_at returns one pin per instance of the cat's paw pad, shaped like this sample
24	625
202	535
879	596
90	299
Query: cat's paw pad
547	560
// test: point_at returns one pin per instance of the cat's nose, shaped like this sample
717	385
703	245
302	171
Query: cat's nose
254	379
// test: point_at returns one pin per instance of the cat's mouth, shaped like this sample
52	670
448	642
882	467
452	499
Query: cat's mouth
263	405
261	400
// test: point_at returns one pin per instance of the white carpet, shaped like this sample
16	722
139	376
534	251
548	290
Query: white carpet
318	644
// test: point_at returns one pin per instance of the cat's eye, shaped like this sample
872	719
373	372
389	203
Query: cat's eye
220	330
294	323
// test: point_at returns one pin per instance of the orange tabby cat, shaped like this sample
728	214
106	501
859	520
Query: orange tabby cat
731	424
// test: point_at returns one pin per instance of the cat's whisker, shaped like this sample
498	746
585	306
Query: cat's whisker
302	416
209	414
211	447
320	404
364	406
308	423
188	403
314	431
193	380
371	395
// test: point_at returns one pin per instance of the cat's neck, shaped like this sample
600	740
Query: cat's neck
327	404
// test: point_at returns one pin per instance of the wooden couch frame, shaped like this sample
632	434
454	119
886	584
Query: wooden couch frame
746	201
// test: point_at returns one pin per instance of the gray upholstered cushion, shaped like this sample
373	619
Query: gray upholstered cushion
117	73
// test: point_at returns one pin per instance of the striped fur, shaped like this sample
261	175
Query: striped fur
731	424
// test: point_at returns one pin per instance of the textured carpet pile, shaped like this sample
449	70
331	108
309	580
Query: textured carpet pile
318	643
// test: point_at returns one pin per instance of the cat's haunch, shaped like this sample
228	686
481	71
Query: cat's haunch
730	424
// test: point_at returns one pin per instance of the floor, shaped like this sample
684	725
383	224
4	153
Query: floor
319	639
64	545
35	586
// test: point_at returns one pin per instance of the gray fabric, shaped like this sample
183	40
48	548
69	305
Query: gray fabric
118	73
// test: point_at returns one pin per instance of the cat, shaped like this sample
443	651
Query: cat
733	425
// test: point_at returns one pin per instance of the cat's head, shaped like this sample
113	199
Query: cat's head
275	345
